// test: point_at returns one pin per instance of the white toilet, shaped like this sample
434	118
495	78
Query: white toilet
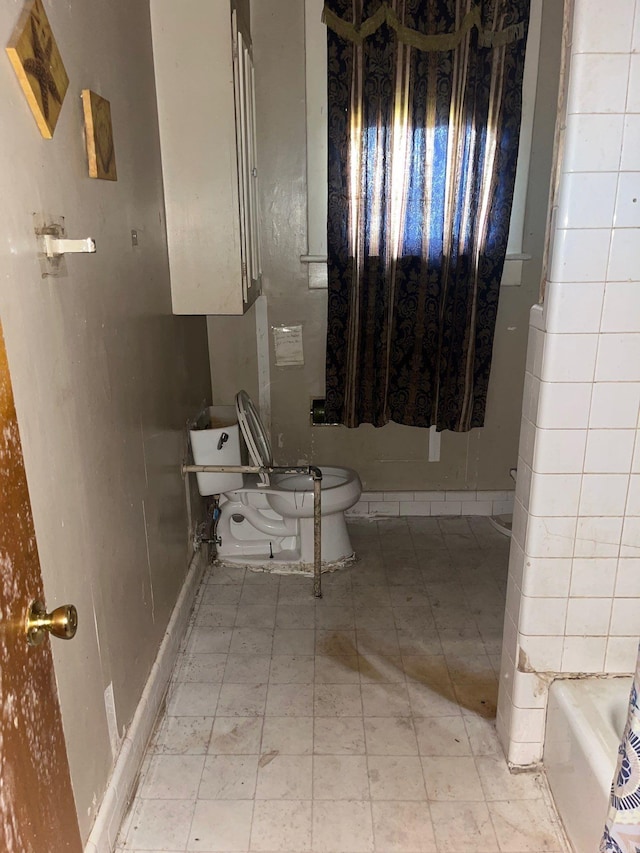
267	522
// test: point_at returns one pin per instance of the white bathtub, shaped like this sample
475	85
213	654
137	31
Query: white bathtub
585	721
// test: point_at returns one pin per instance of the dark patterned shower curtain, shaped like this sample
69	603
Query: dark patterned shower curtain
424	119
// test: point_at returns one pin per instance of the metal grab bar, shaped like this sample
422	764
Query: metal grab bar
312	470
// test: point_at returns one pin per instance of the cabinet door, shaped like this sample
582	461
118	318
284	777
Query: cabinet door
253	184
244	84
204	80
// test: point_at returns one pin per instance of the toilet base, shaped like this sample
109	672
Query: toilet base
257	537
282	566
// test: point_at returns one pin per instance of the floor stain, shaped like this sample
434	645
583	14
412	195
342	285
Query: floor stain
337	645
367	669
268	757
473	691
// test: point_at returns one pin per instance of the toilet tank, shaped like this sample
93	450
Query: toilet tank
210	447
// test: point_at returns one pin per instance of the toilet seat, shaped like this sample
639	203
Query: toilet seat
291	494
254	434
253	430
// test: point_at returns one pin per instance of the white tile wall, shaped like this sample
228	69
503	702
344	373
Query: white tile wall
555	494
569	358
595	577
597	537
548	578
603	494
573	603
550	537
503	507
635	39
631	142
627	209
519	525
633	95
523	485
414	507
384	508
559	451
624	258
580	254
603	27
479	507
511	633
459	495
633	498
621	655
529	690
543	654
618	358
498	496
625	617
628	577
576	208
609	451
583	654
446	508
564	405
591	83
516	567
528	724
535	349
530	396
543	616
593	142
630	546
527	442
588	617
380	504
524	754
615	405
621	304
574	307
398	496
514	599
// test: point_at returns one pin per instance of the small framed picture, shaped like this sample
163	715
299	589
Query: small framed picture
99	135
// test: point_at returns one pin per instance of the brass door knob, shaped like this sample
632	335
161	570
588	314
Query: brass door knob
61	622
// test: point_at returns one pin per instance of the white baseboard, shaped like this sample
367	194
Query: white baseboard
388	504
115	802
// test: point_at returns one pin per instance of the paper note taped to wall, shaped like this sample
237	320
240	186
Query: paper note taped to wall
287	342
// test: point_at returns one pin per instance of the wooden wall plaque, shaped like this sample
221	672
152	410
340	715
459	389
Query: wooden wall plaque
35	58
99	134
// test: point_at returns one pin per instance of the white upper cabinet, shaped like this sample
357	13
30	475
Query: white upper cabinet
206	107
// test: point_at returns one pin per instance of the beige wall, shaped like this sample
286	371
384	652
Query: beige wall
233	355
104	375
393	457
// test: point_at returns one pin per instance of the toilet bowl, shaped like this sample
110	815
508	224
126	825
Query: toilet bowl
266	521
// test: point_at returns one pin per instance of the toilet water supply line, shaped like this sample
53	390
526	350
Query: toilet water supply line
314	472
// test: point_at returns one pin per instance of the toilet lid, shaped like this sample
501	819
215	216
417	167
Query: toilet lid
253	430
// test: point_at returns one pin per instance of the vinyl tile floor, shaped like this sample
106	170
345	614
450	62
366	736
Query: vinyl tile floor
363	722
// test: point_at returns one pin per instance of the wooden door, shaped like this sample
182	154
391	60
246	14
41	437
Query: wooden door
36	800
